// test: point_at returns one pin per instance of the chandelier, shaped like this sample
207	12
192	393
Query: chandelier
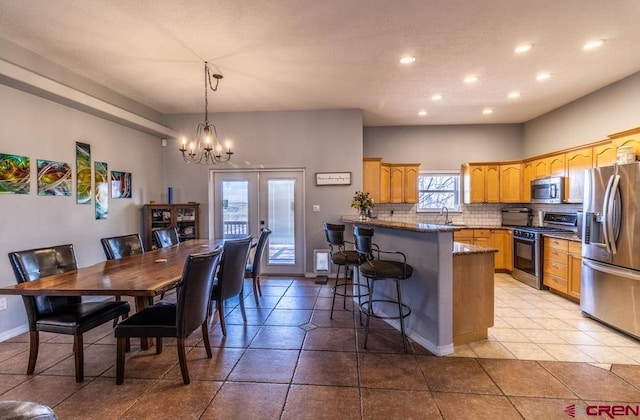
205	148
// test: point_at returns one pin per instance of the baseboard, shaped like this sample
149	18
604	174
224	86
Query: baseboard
6	335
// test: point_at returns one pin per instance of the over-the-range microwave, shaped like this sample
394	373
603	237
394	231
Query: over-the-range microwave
548	190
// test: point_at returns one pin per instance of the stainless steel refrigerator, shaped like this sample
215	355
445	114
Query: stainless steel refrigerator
610	288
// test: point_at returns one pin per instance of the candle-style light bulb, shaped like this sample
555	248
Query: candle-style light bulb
184	142
228	145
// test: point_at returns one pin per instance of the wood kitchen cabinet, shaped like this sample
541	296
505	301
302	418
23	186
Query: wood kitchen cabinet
575	269
390	182
396	194
502	240
385	183
510	183
555	266
371	177
562	266
411	172
549	166
481	183
577	161
604	154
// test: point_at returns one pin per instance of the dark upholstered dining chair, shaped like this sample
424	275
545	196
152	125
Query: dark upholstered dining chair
59	314
123	246
118	247
166	237
254	268
230	279
177	320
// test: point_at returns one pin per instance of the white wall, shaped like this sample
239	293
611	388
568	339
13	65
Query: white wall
318	141
40	129
444	147
609	110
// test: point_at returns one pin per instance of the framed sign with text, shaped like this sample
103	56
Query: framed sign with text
333	178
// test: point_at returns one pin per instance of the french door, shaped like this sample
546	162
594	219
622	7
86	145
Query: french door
243	202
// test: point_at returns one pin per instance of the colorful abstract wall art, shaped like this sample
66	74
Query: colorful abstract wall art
102	190
83	172
54	178
120	184
14	174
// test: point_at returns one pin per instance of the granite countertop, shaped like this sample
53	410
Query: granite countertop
411	226
570	236
460	248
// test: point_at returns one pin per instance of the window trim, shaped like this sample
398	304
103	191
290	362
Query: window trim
433	172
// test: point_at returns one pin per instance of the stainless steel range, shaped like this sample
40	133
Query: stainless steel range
528	242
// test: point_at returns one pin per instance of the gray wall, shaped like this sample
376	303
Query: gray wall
40	129
318	141
444	147
609	110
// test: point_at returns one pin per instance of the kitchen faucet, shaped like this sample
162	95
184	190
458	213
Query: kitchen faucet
445	211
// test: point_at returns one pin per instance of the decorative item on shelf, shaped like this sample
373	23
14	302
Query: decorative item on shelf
205	148
363	203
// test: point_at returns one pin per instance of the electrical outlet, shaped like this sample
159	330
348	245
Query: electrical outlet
3	303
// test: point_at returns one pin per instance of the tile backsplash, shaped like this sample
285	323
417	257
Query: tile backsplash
485	215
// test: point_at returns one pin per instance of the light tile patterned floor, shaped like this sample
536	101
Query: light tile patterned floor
535	324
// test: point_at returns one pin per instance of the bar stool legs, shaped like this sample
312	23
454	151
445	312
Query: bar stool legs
367	307
357	292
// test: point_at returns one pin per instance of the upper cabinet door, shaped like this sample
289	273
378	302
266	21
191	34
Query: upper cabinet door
556	165
630	138
604	155
385	183
411	173
511	183
577	162
492	183
397	184
371	177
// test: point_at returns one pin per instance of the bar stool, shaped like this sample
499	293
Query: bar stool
342	257
375	269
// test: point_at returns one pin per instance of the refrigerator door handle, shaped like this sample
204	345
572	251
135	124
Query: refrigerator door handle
612	188
605	214
609	269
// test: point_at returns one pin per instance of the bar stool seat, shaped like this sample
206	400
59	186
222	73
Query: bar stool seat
346	258
375	269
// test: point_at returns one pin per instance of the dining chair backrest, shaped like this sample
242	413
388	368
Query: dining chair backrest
232	266
166	237
260	247
194	290
33	264
122	246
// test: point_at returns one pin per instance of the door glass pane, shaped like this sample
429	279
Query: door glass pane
281	208
235	209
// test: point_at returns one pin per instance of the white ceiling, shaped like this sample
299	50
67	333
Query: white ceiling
330	54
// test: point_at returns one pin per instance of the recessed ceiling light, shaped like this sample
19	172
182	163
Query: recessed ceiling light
522	48
436	97
471	79
543	76
487	111
513	95
407	59
593	44
422	113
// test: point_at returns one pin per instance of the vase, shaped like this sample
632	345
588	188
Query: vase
363	215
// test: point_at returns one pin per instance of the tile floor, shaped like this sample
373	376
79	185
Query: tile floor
291	361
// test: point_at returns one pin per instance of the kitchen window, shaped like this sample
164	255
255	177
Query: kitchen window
438	189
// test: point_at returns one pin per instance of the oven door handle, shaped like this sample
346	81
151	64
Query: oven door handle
527	240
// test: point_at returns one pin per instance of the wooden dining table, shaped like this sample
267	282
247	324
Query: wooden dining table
141	276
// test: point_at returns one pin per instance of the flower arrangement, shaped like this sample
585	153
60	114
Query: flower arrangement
362	202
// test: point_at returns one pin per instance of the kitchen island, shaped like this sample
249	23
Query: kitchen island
430	291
